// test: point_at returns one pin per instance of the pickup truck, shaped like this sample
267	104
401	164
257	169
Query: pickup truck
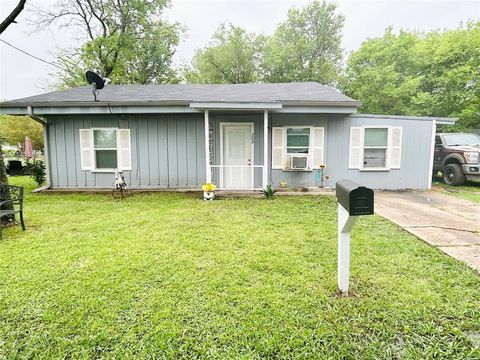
457	156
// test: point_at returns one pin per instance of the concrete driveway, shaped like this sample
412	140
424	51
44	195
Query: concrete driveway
450	224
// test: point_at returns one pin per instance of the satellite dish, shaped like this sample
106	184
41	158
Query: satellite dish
96	81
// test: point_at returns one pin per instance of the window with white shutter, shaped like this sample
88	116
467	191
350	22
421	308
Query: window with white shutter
300	142
375	148
105	149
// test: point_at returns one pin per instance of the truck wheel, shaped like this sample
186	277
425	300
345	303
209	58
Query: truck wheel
453	175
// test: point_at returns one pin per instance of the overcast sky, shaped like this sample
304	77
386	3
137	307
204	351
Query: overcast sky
22	76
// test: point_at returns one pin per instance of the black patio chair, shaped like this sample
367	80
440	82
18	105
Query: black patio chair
11	203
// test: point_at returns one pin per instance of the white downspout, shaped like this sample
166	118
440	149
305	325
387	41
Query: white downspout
45	148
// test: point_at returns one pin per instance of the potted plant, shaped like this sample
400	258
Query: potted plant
209	191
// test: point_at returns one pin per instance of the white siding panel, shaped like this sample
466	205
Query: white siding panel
136	142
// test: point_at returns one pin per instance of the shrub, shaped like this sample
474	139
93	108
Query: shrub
37	171
268	192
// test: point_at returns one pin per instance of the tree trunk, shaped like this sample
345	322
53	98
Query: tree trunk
4	195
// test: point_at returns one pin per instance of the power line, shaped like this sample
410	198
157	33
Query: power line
33	56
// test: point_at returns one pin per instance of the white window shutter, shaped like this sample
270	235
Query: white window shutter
318	141
86	149
395	147
356	148
124	152
277	147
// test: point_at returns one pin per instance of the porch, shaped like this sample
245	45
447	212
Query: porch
236	151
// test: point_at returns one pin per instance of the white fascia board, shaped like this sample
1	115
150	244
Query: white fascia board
66	110
318	109
438	120
235	106
21	110
445	121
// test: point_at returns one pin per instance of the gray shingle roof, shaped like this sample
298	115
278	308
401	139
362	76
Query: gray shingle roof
285	93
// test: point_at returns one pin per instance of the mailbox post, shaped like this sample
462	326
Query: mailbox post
353	201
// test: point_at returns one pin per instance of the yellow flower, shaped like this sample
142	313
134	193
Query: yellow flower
209	187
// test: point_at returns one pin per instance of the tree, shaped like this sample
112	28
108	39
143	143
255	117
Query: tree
14	129
126	40
306	47
452	74
385	74
12	16
3	172
432	74
5	220
231	58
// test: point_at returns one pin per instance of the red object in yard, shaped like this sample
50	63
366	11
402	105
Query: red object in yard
27	148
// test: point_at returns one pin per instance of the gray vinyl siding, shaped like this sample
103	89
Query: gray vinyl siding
416	146
167	150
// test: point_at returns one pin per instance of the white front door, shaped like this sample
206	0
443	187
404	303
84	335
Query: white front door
237	156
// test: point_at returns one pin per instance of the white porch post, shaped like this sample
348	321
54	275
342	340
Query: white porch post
208	172
265	150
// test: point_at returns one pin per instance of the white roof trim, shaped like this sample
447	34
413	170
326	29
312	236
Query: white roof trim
52	110
438	120
318	109
235	106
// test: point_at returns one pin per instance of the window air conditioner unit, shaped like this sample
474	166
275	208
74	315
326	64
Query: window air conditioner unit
299	162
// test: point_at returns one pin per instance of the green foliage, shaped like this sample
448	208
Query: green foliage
128	41
232	57
37	171
240	278
306	47
268	192
14	129
411	73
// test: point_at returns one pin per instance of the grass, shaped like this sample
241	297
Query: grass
469	191
170	276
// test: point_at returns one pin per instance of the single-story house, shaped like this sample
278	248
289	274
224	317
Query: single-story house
242	136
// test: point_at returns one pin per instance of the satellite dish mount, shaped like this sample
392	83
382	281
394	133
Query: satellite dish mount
96	81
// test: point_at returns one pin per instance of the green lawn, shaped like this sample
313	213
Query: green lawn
170	276
469	191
